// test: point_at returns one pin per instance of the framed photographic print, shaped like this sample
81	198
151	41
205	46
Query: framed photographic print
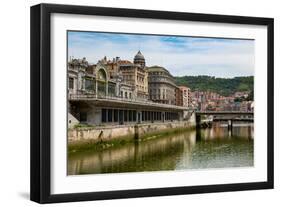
133	103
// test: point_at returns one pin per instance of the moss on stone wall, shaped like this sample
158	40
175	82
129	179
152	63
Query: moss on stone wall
90	145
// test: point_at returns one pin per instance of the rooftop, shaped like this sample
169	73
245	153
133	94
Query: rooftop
139	56
157	68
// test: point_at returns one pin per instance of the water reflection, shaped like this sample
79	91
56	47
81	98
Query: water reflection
208	148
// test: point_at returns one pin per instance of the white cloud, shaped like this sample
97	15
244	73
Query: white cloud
217	57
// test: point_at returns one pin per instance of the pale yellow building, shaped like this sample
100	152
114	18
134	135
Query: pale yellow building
136	75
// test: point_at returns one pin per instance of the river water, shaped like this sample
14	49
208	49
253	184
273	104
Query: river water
214	147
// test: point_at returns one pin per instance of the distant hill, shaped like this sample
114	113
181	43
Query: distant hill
222	86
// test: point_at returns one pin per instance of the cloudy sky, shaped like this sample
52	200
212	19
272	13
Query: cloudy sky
180	55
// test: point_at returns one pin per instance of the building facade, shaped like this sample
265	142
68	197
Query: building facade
179	96
161	84
185	95
116	92
135	74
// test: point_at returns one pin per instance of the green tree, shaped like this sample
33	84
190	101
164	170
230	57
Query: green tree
223	86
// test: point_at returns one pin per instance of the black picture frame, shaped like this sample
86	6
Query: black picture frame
41	96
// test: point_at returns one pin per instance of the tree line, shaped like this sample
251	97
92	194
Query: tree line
222	86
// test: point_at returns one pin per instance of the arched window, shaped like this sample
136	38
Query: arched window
101	81
102	75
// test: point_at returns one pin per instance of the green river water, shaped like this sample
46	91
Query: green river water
209	148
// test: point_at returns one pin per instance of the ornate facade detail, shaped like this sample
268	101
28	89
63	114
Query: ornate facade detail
125	79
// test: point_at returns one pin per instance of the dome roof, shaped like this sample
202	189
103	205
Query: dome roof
157	68
139	56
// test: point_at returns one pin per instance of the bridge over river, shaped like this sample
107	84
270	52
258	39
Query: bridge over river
226	116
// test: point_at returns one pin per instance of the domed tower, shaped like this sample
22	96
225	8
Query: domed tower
139	59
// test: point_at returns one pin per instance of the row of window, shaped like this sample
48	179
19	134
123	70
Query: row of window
125	94
163	90
157	73
117	115
140	79
121	116
128	77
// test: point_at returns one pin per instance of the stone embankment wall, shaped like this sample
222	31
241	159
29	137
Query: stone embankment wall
108	133
102	133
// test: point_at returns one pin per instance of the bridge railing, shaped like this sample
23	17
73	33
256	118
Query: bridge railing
224	112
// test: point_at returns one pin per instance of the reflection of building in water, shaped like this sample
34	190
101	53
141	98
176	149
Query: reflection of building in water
220	131
120	91
245	130
150	155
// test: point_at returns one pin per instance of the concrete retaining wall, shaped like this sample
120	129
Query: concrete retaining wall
72	121
146	129
101	133
107	133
